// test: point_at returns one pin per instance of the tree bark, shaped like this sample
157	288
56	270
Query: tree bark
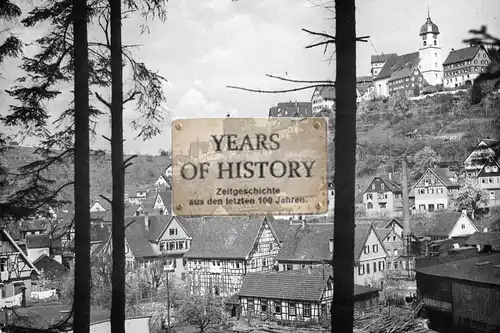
81	301
342	311
118	170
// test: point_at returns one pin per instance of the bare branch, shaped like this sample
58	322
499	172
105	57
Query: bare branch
102	100
129	159
105	137
107	199
321	43
131	97
322	34
276	91
323	82
129	224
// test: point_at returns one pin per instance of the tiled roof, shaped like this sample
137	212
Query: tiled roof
104	203
106	216
391	184
131	209
443	223
280	227
401	74
296	285
448	244
148	203
291	109
485	238
465	54
444	174
50	266
361	233
383	232
308	244
377	222
364	79
487	222
467	270
328	93
224	237
138	237
166	197
382	57
395	63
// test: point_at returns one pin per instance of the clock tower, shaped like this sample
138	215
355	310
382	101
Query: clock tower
430	64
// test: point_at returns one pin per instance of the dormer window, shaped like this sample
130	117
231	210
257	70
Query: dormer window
494	168
382	186
487	169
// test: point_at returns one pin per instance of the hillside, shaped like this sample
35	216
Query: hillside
447	123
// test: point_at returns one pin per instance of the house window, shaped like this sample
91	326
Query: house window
463	226
388	265
184	262
374	267
264	262
369	205
440	206
288	267
367	268
361	269
329	285
393	238
263	305
375	248
18	288
2	265
367	249
381	265
162	246
395	265
431	208
395	252
373	186
382	186
251	307
307	310
237	265
171	246
292	311
173	231
277	306
492	195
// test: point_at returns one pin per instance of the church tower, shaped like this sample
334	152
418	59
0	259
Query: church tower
430	64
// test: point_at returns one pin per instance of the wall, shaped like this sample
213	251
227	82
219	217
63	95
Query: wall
380	195
463	227
477	302
263	255
361	276
431	195
472	68
381	88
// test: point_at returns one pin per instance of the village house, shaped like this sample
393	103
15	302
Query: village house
226	249
154	238
462	295
451	225
364	88
304	245
408	80
370	257
488	179
479	156
394	246
383	197
463	66
298	295
378	62
323	98
433	189
43	244
16	271
292	109
163	202
100	206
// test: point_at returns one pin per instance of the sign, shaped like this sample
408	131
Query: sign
249	166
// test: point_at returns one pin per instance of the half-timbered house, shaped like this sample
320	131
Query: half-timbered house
153	238
16	270
462	295
370	257
433	189
488	179
451	225
226	249
298	295
479	156
383	196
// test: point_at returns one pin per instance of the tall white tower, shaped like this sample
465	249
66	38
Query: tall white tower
430	64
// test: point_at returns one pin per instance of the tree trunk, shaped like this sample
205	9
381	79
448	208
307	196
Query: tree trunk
118	170
342	311
81	301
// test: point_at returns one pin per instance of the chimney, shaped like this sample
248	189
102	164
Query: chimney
390	175
330	245
406	202
464	211
146	221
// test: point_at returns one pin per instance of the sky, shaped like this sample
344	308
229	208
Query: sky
205	45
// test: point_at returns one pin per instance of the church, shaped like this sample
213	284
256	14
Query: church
413	71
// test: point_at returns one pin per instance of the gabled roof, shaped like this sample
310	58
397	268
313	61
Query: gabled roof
131	209
295	285
224	237
391	184
106	216
402	73
378	222
18	249
155	235
327	92
382	57
310	243
464	54
383	233
281	227
105	204
487	169
361	233
443	223
396	63
443	174
50	266
485	238
37	241
166	197
467	270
